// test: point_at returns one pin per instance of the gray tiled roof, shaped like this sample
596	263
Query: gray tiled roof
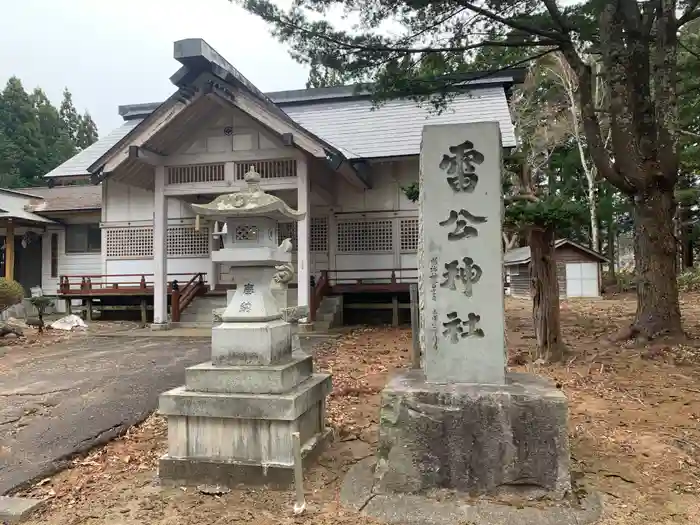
341	118
78	165
395	128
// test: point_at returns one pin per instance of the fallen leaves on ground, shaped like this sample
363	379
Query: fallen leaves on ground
634	430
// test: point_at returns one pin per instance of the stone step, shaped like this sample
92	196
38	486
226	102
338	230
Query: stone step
201	310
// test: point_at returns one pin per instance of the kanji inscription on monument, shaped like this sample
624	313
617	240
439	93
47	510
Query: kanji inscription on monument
460	255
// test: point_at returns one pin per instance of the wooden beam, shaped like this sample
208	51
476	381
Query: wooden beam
143	131
322	193
146	157
10	250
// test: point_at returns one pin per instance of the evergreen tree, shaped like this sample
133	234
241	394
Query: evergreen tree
21	126
87	131
69	115
35	136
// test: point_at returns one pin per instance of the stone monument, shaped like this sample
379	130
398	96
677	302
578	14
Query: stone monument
233	420
463	423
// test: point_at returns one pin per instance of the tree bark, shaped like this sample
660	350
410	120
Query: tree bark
545	295
658	310
612	238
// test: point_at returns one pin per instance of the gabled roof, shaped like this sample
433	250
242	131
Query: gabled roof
342	119
522	255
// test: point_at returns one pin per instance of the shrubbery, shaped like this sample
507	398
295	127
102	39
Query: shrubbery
689	280
11	293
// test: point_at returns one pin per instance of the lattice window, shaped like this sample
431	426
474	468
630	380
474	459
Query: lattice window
408	234
195	173
365	236
319	234
288	230
185	241
138	242
246	233
130	242
268	169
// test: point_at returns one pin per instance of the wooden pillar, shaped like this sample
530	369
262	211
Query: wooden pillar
143	312
395	311
160	255
303	235
213	274
10	250
88	309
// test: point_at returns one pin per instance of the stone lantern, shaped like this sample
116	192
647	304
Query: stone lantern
233	420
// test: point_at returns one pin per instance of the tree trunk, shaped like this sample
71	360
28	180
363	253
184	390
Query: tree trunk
688	255
545	295
658	310
612	238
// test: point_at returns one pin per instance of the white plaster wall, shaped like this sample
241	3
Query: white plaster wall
386	194
246	135
185	266
385	200
124	203
68	263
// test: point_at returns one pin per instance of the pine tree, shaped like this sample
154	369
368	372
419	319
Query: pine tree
69	115
87	131
20	125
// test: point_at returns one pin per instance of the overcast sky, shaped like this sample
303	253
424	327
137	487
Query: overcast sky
121	52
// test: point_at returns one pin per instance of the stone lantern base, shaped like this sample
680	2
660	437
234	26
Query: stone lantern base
233	424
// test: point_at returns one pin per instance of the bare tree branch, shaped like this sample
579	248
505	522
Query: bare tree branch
689	134
556	15
513	24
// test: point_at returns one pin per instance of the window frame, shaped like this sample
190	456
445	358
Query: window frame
53	251
88	248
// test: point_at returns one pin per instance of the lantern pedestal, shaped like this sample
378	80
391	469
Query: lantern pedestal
233	421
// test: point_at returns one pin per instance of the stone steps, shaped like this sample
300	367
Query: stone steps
329	314
200	311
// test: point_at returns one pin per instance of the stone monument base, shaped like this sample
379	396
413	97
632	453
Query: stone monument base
475	439
445	507
223	437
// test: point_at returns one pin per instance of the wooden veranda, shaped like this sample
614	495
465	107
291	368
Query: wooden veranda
128	292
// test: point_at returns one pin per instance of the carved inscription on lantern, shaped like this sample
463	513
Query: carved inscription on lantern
245	307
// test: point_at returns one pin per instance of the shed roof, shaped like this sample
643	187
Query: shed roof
65	198
344	117
522	255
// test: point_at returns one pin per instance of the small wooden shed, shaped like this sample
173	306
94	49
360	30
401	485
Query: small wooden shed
578	270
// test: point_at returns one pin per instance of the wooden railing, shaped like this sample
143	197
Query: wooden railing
181	297
318	292
114	284
383	276
384	280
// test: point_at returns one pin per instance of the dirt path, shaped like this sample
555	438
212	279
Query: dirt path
633	425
